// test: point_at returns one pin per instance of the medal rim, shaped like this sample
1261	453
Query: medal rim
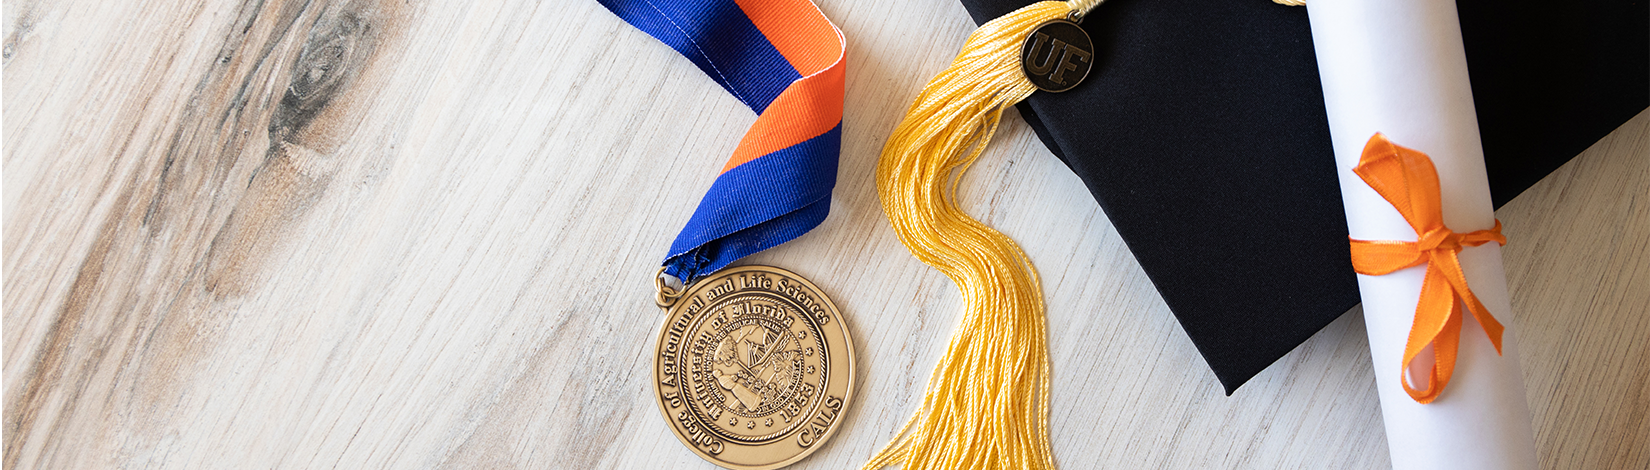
689	292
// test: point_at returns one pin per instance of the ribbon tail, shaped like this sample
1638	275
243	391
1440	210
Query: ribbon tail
1433	315
1450	266
1445	349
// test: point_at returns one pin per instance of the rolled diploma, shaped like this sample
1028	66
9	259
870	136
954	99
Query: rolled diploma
1398	67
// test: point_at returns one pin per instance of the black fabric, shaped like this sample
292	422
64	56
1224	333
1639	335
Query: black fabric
1201	132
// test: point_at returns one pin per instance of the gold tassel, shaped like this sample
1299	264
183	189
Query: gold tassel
986	405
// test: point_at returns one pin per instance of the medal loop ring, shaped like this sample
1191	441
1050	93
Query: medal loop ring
664	296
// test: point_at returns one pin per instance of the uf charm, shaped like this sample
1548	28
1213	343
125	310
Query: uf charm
1057	56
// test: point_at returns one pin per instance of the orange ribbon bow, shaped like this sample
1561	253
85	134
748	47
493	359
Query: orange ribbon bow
1407	179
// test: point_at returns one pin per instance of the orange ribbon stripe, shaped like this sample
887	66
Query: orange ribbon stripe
1407	179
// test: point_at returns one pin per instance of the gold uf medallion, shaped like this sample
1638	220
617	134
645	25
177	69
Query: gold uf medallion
754	367
1057	55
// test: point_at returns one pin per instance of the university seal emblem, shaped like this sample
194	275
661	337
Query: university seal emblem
754	367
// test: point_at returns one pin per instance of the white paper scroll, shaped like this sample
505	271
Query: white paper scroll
1398	67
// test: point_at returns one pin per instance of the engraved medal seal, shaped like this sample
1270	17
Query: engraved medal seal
753	368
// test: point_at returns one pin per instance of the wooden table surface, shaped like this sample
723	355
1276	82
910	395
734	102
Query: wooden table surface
409	234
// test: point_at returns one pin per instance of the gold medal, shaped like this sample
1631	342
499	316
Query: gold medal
753	368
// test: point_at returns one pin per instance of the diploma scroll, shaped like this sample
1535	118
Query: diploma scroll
1398	67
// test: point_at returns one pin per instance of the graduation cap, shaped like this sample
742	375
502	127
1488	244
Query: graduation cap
1201	132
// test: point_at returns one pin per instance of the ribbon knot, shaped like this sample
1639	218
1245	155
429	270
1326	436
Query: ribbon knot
1407	179
1440	238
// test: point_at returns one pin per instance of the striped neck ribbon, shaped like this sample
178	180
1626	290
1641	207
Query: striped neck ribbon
785	60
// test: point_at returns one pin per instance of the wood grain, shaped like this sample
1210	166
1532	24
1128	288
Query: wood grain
377	233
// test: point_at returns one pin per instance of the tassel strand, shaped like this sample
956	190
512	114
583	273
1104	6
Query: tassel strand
986	404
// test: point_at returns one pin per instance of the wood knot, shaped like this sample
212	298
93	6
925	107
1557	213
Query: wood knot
334	54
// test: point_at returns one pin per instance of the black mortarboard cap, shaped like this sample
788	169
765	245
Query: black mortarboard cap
1201	132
